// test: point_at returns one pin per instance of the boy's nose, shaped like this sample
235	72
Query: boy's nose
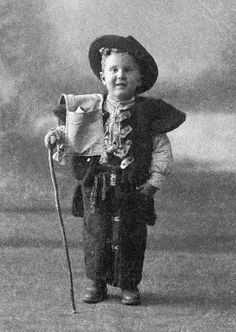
121	74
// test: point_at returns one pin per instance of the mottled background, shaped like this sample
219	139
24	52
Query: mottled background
189	273
44	46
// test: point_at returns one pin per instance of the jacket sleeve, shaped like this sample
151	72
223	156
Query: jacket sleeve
60	113
162	160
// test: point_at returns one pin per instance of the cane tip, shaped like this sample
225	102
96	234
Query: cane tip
74	312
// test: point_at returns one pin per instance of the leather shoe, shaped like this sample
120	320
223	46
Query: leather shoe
97	292
131	296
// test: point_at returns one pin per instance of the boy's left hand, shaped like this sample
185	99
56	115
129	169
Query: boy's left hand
147	190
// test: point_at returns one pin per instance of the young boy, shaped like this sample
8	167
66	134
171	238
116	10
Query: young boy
119	139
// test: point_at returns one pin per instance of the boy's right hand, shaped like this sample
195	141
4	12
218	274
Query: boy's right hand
50	139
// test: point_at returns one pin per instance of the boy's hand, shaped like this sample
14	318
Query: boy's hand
50	139
147	190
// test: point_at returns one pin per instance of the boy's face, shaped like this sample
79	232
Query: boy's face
121	75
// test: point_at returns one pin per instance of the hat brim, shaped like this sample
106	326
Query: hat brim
148	66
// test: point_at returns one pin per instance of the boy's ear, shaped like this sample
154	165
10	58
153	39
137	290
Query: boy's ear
102	77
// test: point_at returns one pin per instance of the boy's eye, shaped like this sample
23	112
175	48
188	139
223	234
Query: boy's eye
113	69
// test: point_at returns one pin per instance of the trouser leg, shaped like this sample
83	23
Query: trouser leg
121	266
131	250
96	240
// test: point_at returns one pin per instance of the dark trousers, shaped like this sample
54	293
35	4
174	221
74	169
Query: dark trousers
114	239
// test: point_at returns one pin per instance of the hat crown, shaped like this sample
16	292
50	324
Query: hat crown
131	38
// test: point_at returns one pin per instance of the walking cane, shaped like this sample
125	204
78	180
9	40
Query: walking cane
56	193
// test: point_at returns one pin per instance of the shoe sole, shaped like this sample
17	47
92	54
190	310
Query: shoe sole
100	299
135	302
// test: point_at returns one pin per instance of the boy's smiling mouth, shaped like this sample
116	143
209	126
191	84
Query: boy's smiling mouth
121	84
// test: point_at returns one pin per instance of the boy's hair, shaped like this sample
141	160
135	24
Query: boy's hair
105	52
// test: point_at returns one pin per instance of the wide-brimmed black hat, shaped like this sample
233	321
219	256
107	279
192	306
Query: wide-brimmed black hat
129	44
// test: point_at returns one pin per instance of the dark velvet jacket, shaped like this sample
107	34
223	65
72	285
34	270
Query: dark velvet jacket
149	117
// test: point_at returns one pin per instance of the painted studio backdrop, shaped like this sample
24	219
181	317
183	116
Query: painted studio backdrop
44	46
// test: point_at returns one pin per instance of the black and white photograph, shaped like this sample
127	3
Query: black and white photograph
117	166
